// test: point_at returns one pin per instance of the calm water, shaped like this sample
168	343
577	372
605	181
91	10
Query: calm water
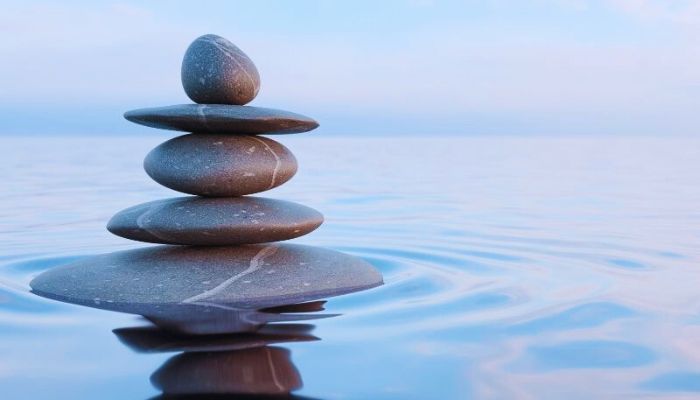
537	268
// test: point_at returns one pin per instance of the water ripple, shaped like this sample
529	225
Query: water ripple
504	261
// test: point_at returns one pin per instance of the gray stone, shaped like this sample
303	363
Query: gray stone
220	165
205	290
215	221
215	71
219	118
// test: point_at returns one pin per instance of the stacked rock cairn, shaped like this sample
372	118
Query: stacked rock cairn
221	162
227	266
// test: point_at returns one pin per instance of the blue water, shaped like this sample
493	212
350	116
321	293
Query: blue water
533	268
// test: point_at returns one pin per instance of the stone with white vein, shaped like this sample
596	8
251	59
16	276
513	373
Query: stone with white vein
206	289
220	165
222	118
215	221
215	71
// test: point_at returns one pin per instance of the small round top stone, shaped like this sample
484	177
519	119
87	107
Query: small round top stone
215	71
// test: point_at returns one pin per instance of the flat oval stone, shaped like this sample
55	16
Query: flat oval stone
215	71
220	165
215	221
219	118
204	289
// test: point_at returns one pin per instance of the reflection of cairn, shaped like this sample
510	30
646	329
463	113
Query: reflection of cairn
213	289
262	370
217	365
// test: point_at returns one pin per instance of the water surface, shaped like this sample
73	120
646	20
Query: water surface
530	268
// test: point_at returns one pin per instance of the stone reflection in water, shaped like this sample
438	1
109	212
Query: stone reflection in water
228	366
207	290
150	339
263	370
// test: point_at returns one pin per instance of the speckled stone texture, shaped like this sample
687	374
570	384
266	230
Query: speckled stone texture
220	165
258	371
204	290
218	118
215	71
215	221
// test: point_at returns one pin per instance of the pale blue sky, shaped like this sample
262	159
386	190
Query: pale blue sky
366	67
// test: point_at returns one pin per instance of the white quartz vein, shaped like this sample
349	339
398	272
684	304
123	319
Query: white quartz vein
143	220
202	115
278	162
255	264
